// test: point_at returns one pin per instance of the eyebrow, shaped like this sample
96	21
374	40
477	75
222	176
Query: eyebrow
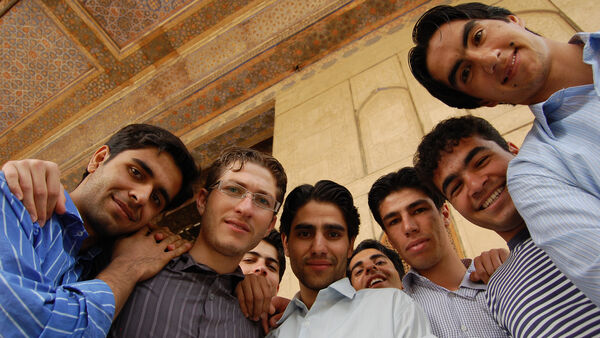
466	161
150	173
467	28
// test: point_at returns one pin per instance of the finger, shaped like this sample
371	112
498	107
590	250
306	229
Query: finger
474	277
241	299
249	295
488	263
481	273
160	233
54	189
504	253
40	191
176	244
12	179
24	181
274	319
496	259
61	203
185	247
264	322
268	293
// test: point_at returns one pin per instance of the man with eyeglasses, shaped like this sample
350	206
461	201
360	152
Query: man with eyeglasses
194	295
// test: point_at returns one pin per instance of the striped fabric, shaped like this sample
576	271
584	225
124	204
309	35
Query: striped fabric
555	180
40	292
460	313
185	299
530	297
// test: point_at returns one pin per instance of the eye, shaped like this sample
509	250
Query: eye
232	189
419	210
358	272
334	235
455	189
134	172
481	161
303	234
477	37
380	262
156	199
392	221
248	260
264	200
464	74
273	268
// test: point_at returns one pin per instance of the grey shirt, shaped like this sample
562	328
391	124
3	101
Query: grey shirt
185	299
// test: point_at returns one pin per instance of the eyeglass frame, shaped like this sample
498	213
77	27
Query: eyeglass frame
217	185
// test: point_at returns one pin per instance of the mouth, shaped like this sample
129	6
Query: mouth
375	282
318	264
238	225
125	209
416	245
509	70
492	198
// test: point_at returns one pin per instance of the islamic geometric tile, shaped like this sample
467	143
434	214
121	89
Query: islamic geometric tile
37	61
125	20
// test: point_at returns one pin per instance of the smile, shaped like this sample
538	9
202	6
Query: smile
493	197
373	282
125	209
509	69
237	225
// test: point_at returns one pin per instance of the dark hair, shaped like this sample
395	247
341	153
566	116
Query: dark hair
239	156
323	191
274	238
139	136
396	181
424	29
444	137
389	253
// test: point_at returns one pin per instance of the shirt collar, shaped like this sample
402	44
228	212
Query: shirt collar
412	278
518	238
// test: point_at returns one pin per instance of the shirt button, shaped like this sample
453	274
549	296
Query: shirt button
211	297
464	328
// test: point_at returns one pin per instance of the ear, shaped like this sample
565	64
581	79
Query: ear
201	201
99	157
285	244
488	103
272	225
446	215
516	19
513	148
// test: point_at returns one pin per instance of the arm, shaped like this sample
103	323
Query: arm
564	221
487	263
37	184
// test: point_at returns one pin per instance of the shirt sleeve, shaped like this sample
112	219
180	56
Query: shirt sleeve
40	293
410	319
564	221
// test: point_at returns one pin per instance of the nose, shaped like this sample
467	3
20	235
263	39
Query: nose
475	184
319	244
260	270
140	194
487	59
370	268
409	225
245	204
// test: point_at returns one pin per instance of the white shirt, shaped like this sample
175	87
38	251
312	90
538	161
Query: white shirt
341	311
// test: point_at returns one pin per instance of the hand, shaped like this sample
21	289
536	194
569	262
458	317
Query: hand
147	251
278	304
254	294
37	184
487	263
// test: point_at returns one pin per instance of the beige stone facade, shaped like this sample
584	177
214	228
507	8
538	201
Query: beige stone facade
358	114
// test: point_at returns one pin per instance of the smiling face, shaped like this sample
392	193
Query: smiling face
262	260
318	245
122	195
494	60
416	228
232	226
473	179
371	268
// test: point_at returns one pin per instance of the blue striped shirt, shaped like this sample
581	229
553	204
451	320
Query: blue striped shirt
41	295
460	313
555	179
530	297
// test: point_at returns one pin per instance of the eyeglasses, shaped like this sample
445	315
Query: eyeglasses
261	200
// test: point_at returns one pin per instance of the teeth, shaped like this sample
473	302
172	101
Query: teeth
492	198
514	57
374	281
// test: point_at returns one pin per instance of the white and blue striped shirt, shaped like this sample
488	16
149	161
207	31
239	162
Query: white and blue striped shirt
530	297
41	295
555	179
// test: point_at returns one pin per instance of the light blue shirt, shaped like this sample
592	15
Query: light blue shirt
41	295
341	311
555	179
460	313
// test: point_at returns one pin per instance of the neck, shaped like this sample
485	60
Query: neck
508	235
205	254
567	69
448	272
308	295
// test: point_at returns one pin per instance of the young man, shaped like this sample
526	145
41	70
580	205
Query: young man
266	259
472	55
466	160
319	224
141	171
415	221
194	294
372	265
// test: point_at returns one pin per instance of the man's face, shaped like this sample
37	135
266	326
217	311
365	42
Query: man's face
494	60
232	226
262	260
318	245
371	268
122	195
415	227
473	179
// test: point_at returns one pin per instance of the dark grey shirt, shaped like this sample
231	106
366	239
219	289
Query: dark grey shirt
185	299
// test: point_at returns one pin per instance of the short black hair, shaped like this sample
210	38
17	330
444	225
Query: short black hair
323	191
274	239
139	136
444	137
424	29
396	181
389	253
